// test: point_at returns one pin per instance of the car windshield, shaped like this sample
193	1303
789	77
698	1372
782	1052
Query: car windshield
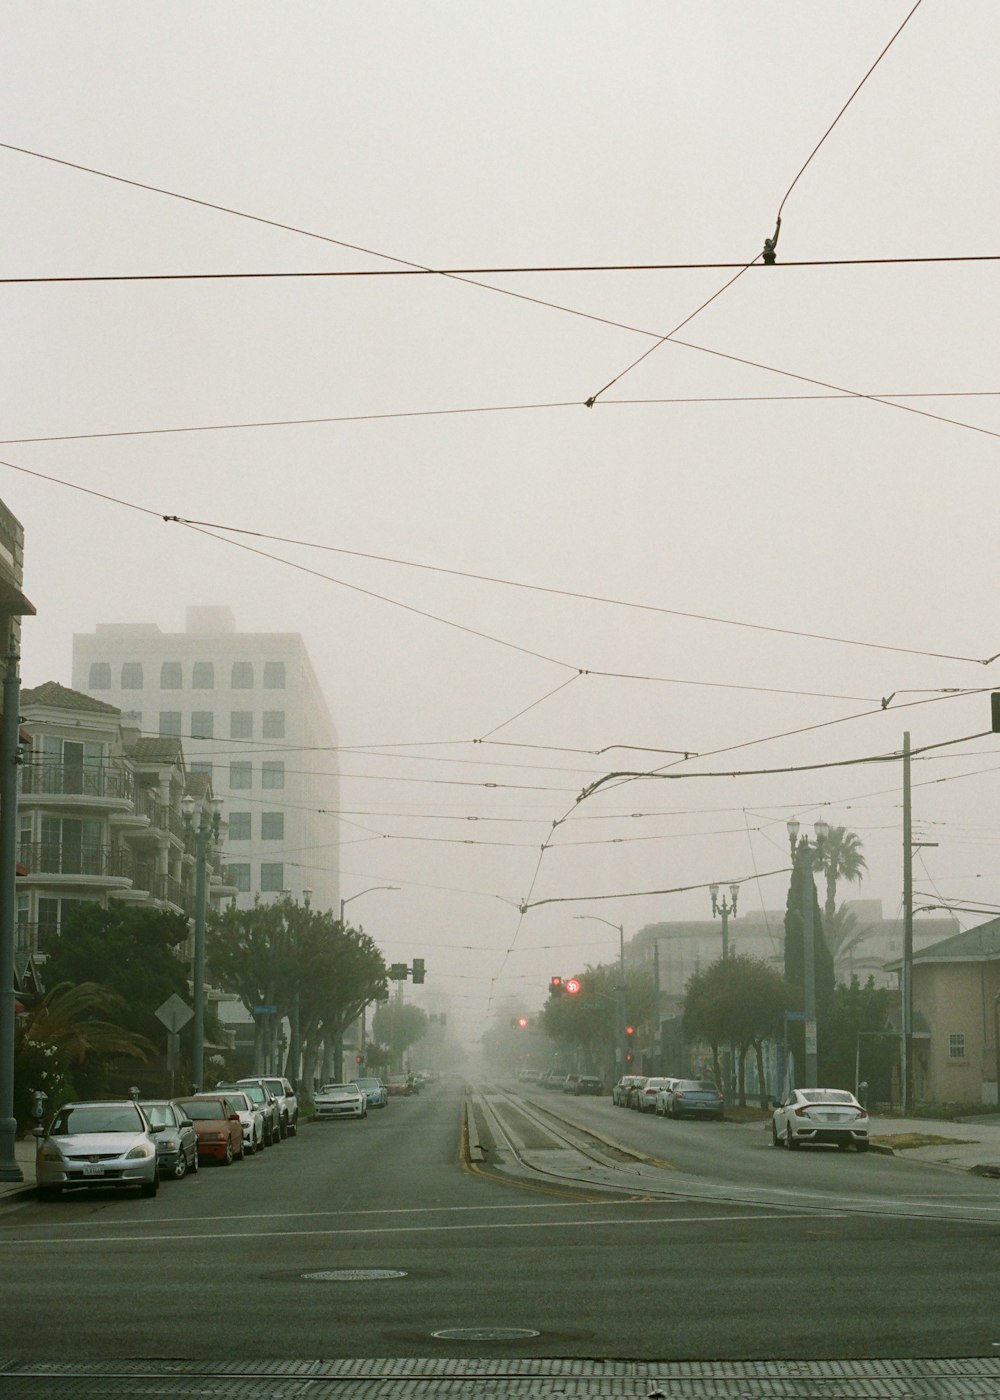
159	1114
254	1092
97	1118
368	1084
204	1110
339	1089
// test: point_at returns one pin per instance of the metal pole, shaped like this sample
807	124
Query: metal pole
907	988
621	1050
808	894
9	734
198	971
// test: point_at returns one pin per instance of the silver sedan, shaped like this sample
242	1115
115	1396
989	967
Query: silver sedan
340	1101
108	1143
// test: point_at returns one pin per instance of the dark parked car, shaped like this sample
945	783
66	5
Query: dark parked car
588	1084
695	1098
177	1144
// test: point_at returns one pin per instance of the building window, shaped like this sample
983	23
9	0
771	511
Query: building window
274	675
100	675
956	1047
171	676
239	826
239	876
203	676
240	774
242	675
272	826
272	877
205	768
274	724
202	724
241	724
132	675
170	722
272	774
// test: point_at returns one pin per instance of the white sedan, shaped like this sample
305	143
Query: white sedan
820	1115
340	1101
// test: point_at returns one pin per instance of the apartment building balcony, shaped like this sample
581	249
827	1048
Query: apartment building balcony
98	785
75	863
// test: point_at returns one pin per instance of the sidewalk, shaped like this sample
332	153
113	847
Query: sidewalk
24	1155
964	1146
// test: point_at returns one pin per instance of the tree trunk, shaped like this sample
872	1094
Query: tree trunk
764	1095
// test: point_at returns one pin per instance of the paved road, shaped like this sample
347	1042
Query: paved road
235	1263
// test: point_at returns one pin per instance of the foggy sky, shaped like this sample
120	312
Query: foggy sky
458	134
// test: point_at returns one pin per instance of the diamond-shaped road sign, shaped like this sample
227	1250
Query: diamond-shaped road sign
174	1013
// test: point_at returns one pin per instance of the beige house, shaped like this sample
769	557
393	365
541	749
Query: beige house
956	989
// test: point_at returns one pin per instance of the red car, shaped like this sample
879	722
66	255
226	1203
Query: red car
220	1133
398	1085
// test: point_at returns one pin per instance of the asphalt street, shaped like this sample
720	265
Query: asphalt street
370	1238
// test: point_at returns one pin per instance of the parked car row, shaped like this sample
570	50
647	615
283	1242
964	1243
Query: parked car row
563	1083
125	1143
354	1097
669	1097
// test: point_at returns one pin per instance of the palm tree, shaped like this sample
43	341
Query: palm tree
64	1020
840	859
844	934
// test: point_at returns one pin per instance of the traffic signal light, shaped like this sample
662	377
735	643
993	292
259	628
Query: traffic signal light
397	972
629	1038
995	711
555	986
418	970
572	986
522	1023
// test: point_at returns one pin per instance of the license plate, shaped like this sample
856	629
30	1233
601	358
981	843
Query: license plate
93	1171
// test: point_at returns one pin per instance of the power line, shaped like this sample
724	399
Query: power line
843	395
521	270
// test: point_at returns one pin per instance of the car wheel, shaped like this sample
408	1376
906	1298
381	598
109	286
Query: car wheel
283	1131
195	1160
243	1149
775	1142
150	1188
293	1128
227	1160
181	1166
861	1146
790	1141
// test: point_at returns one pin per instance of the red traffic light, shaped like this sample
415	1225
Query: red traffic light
555	986
522	1022
572	986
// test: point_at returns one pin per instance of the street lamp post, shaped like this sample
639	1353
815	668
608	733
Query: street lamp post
620	1049
723	912
803	864
202	837
340	1038
10	756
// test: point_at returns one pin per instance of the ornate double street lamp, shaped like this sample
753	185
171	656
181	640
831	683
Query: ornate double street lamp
620	1047
805	859
723	911
202	838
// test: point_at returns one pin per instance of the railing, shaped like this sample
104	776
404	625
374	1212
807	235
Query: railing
35	937
77	780
173	892
147	805
169	820
62	858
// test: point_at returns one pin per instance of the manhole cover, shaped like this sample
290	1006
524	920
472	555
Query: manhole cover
485	1334
353	1275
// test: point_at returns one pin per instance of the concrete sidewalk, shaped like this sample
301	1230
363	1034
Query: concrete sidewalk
24	1155
966	1145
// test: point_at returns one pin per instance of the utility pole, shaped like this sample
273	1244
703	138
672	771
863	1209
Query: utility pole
9	758
907	987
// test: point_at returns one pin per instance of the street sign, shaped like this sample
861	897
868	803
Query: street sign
264	1010
810	1037
174	1013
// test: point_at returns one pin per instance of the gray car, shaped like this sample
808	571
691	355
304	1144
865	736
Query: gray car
177	1144
106	1143
258	1092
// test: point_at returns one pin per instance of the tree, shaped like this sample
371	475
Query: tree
398	1026
313	969
840	858
801	889
856	1040
844	932
61	1035
741	999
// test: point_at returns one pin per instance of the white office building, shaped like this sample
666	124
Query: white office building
251	714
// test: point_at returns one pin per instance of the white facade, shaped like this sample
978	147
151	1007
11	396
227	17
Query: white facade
251	713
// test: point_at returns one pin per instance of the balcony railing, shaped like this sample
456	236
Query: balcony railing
169	820
77	780
73	858
171	890
35	938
